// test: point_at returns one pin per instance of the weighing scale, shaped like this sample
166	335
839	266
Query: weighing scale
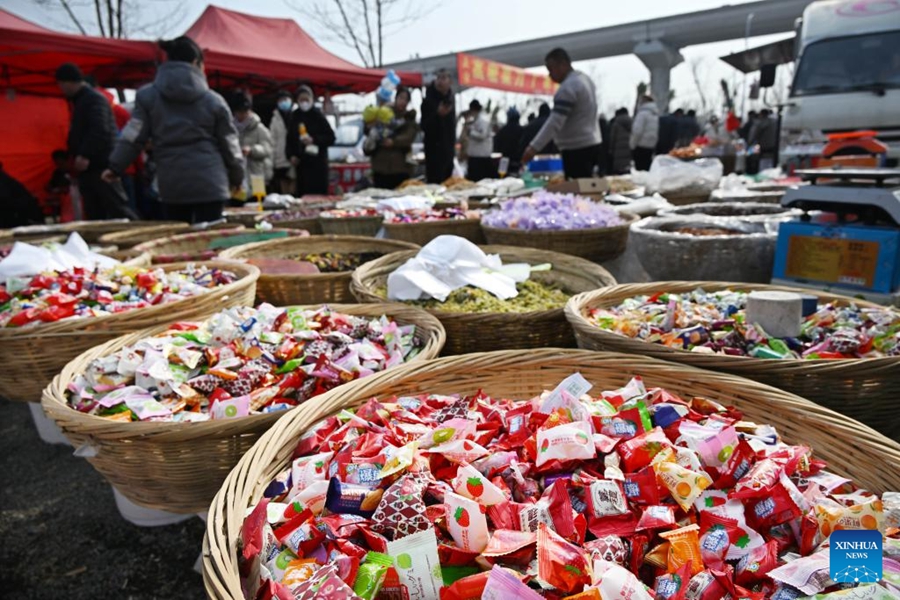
853	245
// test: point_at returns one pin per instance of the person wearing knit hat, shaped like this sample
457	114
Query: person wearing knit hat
92	134
308	137
195	141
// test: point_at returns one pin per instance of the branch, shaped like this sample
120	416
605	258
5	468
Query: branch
99	17
72	16
349	29
365	17
110	17
379	4
119	18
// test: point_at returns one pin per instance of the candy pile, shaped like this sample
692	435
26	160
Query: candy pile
714	323
560	496
240	361
533	295
349	213
547	210
424	216
706	231
56	295
337	262
293	215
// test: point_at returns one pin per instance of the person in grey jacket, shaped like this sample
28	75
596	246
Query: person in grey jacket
256	141
573	123
620	142
195	142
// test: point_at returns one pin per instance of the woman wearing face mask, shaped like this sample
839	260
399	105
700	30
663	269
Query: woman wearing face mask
308	138
390	164
283	180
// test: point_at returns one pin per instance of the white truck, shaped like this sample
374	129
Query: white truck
847	76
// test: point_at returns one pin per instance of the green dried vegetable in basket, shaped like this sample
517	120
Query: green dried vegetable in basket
533	296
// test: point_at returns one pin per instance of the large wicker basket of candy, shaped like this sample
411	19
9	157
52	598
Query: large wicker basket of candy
471	461
167	412
57	316
847	357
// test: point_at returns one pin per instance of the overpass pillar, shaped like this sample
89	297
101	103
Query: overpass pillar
659	58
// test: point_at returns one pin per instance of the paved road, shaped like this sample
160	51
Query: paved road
61	535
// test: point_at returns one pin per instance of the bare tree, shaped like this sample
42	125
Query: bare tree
362	25
698	74
119	18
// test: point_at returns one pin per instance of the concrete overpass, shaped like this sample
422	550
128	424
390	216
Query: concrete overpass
656	42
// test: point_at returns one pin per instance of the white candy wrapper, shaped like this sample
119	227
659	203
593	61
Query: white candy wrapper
618	582
448	263
467	523
417	564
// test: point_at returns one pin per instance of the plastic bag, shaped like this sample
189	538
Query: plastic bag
669	175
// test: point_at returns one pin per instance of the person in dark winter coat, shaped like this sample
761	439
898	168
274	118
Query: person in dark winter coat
439	127
508	140
390	156
688	129
531	130
17	205
308	138
668	131
92	134
604	158
195	142
619	142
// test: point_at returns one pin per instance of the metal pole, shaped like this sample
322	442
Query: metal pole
746	47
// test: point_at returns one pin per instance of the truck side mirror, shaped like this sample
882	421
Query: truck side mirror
767	76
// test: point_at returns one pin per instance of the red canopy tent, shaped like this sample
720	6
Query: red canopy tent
29	55
262	54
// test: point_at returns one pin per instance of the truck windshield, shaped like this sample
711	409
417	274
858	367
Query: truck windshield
850	64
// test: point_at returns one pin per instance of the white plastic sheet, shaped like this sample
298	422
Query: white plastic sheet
670	175
448	263
26	260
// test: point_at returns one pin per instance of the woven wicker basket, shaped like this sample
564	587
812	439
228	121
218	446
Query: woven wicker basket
92	231
864	389
748	255
681	200
597	245
422	233
178	467
129	238
284	290
132	257
311	225
195	246
480	332
850	448
364	226
33	355
745	211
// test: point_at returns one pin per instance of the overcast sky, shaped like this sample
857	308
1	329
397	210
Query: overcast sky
458	25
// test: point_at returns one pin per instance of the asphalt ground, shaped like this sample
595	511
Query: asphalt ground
61	534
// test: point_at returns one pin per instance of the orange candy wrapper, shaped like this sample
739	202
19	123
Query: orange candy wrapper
684	485
684	546
832	516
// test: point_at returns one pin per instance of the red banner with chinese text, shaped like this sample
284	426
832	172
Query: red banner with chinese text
480	72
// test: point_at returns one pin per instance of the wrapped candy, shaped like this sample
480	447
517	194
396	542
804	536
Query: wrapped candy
546	210
239	362
84	293
715	322
700	504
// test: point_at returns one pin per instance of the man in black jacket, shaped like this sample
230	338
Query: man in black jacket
439	127
92	135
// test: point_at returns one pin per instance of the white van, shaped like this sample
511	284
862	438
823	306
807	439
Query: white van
847	76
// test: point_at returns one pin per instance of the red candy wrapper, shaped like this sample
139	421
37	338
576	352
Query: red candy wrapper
637	452
401	511
560	563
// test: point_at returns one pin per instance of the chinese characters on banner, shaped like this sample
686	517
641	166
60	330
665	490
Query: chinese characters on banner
480	72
